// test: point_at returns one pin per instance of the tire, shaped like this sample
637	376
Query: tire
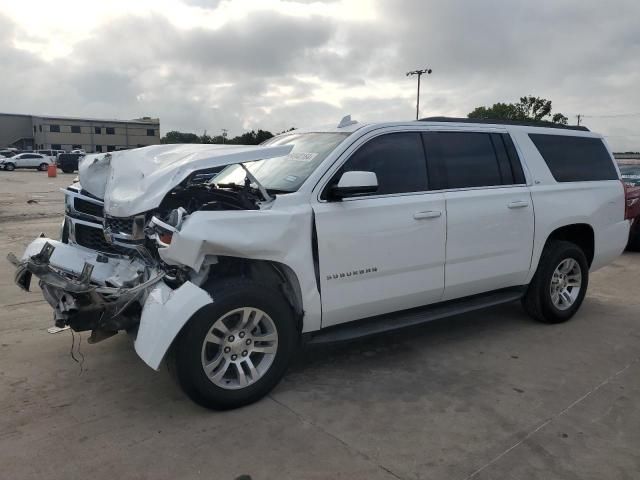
539	302
66	170
634	239
9	167
43	167
231	302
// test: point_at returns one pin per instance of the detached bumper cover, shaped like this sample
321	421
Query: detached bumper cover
86	290
90	291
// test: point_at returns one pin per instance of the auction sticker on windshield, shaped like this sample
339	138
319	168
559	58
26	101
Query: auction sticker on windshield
301	156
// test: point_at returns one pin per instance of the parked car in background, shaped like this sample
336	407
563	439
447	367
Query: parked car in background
27	160
79	150
68	162
7	153
52	154
630	173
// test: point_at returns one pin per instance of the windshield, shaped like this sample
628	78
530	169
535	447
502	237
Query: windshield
286	174
630	174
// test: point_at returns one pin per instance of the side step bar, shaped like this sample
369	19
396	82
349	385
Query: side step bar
415	316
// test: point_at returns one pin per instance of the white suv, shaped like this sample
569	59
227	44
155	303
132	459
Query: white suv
325	235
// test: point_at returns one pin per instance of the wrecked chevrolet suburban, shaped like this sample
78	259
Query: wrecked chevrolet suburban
222	259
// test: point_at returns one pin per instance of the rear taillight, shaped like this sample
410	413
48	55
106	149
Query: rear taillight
630	204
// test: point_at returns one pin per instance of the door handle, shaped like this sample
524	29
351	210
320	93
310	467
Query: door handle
518	204
427	214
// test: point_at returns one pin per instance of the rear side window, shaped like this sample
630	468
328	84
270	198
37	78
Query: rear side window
575	159
397	159
467	159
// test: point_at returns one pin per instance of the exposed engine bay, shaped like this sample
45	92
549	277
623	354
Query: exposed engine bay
103	287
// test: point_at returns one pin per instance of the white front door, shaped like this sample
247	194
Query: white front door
384	252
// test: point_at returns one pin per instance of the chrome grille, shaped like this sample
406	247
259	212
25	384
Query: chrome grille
93	238
88	208
119	225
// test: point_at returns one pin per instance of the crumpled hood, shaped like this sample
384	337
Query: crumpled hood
135	181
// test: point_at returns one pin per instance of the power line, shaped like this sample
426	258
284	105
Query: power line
613	115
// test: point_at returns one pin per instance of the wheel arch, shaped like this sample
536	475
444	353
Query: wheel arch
267	272
581	234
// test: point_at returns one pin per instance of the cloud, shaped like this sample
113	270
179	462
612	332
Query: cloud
276	64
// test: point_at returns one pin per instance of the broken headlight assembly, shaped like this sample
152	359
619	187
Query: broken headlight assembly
162	230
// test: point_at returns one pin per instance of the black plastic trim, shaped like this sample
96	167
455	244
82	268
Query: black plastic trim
412	317
489	121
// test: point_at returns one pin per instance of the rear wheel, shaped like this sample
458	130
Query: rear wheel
634	239
559	285
43	167
235	350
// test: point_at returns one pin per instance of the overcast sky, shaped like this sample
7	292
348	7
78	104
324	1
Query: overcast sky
242	64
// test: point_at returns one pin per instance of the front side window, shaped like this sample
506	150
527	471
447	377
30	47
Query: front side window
288	173
575	159
397	159
464	159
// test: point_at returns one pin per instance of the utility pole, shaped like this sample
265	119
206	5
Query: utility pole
224	134
579	117
419	73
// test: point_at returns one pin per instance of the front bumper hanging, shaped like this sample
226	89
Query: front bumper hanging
87	290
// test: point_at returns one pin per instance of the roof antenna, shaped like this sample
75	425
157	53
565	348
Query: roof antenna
346	121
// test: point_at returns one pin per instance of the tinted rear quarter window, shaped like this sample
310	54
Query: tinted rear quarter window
464	159
575	159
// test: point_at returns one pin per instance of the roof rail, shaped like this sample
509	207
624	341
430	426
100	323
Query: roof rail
524	123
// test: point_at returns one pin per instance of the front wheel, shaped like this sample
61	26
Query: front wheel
559	285
236	349
9	167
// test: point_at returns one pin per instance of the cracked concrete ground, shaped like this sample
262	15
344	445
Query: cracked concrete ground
490	395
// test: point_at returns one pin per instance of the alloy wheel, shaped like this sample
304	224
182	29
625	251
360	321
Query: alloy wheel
239	348
566	282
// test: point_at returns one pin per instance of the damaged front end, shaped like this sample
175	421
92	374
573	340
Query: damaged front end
106	273
87	290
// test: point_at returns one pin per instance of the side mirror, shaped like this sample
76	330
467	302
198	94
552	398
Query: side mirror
355	183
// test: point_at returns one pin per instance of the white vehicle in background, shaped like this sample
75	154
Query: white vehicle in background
52	154
79	150
325	235
27	160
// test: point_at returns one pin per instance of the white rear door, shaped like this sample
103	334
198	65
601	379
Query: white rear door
490	221
383	252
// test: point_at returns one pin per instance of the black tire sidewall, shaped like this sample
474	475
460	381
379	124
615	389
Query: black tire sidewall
188	366
10	167
43	169
562	251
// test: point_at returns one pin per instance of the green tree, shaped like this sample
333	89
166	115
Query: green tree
180	137
528	108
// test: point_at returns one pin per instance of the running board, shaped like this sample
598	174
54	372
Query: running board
412	317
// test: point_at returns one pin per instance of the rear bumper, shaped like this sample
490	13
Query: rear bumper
610	242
